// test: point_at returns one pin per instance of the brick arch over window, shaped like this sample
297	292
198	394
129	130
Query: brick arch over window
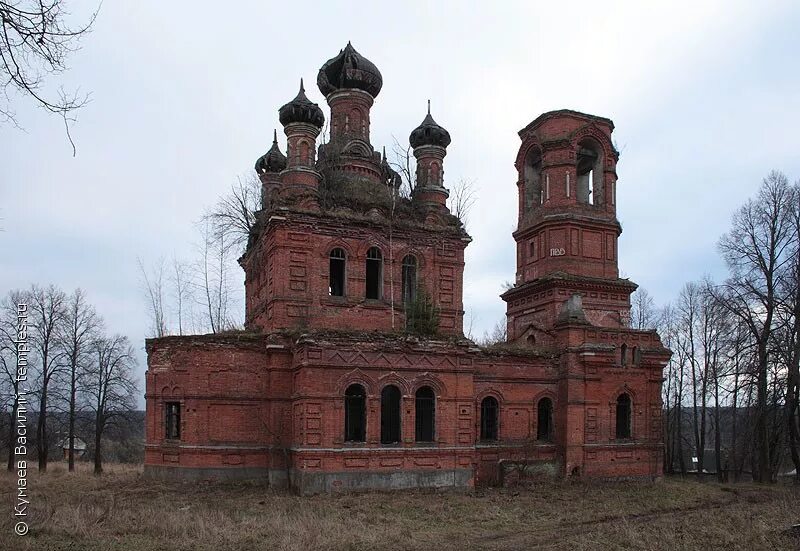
531	143
373	241
426	379
358	377
338	244
592	131
393	378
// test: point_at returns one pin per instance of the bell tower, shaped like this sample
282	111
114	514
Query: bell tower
567	228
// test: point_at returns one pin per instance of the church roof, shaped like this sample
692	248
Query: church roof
273	160
301	109
349	69
429	133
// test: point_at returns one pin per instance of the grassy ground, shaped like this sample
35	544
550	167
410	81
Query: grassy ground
122	511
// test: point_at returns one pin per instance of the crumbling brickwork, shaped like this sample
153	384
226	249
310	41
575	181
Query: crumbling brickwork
335	385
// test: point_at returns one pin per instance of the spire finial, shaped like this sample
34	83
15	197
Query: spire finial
384	152
302	88
274	136
429	107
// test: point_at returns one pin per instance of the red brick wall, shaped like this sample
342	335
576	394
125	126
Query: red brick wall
287	284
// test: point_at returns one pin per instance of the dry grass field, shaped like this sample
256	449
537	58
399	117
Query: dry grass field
122	511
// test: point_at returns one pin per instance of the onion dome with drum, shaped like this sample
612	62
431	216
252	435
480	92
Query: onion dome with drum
301	109
429	133
349	70
273	160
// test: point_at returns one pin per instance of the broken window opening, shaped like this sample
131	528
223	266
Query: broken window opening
588	187
390	415
374	273
337	273
425	414
544	420
489	416
532	174
173	420
355	414
623	416
409	278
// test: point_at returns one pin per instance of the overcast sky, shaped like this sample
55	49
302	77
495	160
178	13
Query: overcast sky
705	97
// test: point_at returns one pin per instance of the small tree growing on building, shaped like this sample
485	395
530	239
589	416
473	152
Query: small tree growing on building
422	315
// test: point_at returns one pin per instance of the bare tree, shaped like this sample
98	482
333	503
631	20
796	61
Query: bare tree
498	334
36	41
644	314
80	327
789	333
181	291
756	250
405	164
213	278
47	310
235	214
462	198
111	387
153	284
9	357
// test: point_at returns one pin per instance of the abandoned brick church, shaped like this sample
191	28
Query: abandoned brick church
353	370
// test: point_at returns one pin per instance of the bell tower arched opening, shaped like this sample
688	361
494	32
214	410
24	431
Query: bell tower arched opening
589	172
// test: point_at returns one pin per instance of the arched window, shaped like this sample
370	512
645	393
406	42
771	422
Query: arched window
532	173
409	279
623	416
390	415
336	274
489	415
544	419
589	186
374	273
623	355
425	414
355	414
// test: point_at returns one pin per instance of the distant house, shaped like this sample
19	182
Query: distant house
80	447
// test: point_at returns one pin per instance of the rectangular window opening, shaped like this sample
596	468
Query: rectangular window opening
173	420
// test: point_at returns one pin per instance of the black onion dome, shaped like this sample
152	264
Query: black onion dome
273	160
429	133
349	69
301	109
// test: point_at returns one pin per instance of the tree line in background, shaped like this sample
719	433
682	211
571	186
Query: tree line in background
731	386
81	382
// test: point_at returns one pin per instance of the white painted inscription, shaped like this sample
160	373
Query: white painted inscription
558	252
